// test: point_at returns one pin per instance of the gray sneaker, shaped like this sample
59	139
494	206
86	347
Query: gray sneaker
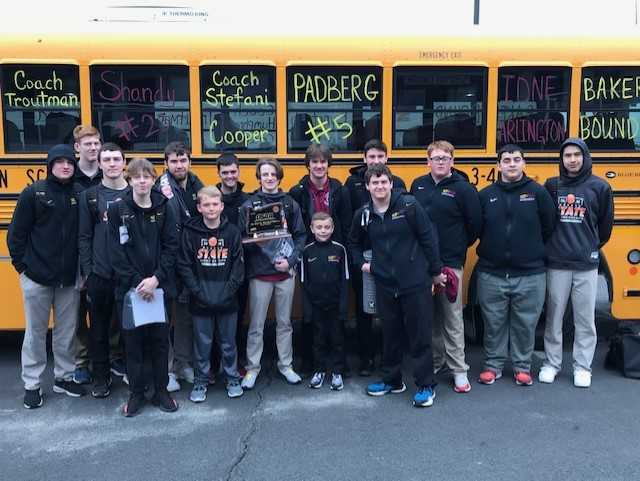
317	380
336	382
198	393
234	389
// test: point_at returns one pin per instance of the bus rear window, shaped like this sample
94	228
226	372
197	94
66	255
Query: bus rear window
338	106
41	106
238	108
610	108
533	106
434	103
141	108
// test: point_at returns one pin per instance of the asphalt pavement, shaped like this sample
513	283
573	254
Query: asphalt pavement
281	432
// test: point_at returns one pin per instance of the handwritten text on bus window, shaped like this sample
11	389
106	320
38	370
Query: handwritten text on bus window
39	92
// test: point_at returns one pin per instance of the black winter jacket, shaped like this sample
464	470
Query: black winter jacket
402	241
257	257
358	193
339	206
517	219
454	208
43	234
211	265
85	181
93	236
144	243
584	215
324	273
183	201
232	203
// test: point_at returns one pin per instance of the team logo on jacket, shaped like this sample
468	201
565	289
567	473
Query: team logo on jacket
525	197
212	252
397	215
571	208
334	259
449	193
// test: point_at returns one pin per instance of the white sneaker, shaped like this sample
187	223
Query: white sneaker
249	380
461	382
547	374
581	378
291	376
173	385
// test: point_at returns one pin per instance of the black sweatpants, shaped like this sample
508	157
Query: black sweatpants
151	338
328	339
101	300
411	314
364	321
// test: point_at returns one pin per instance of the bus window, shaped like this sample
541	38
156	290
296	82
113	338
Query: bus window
533	106
434	103
41	105
238	108
141	108
610	108
339	106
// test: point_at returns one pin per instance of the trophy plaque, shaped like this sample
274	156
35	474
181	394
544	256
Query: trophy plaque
265	222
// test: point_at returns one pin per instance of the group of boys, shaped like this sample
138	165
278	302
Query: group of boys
99	231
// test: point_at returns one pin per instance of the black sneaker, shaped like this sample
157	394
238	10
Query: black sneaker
165	402
69	388
133	406
366	368
33	398
101	389
118	368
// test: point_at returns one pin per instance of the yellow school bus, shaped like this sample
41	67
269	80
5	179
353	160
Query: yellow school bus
272	96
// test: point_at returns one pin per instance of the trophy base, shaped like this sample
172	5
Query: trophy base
265	236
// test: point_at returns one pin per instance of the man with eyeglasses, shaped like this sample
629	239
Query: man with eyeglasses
452	204
518	217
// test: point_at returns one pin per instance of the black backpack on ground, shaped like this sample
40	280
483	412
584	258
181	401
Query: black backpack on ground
624	350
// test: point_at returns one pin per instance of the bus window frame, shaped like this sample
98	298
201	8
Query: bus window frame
141	63
37	63
605	65
201	111
517	65
442	67
332	65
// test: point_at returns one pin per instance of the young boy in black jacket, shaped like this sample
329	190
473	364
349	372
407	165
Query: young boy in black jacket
211	266
144	244
324	275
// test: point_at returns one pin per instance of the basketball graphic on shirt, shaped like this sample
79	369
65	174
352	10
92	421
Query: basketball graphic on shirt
213	241
571	198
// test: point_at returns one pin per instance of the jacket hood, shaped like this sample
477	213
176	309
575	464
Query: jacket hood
267	198
60	151
157	199
585	170
508	186
197	224
238	191
358	170
453	178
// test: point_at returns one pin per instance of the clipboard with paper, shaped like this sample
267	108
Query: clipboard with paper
137	312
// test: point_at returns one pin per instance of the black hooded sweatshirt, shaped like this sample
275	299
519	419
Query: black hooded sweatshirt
339	207
257	257
149	247
358	193
402	241
43	234
211	265
454	208
232	203
84	180
584	206
517	219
